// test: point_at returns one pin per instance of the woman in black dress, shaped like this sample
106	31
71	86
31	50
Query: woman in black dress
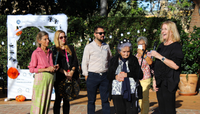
167	67
68	63
123	72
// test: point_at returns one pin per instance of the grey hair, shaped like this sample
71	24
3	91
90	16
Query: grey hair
142	38
127	44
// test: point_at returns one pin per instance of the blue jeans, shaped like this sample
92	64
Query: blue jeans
95	81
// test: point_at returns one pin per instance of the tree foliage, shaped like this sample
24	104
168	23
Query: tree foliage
75	8
126	9
78	8
177	9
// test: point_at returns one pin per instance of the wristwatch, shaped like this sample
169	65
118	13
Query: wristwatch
163	59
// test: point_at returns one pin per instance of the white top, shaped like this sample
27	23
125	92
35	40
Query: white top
95	58
117	87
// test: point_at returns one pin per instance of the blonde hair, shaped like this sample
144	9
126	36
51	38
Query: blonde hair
39	37
57	44
171	27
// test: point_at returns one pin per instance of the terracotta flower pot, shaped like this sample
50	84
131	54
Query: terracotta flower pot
187	85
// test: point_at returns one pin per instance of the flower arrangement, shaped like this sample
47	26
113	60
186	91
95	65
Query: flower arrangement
12	73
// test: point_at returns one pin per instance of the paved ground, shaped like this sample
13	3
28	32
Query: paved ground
184	105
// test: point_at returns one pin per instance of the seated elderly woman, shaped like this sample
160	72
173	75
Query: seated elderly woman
123	72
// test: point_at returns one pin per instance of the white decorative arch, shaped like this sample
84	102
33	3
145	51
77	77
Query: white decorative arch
23	84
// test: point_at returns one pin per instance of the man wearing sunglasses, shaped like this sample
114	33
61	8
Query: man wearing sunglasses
94	67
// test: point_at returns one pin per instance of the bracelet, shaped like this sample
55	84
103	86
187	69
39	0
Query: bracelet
145	57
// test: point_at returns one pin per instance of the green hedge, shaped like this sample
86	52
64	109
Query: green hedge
3	38
83	29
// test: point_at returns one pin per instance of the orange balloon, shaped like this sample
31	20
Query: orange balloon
18	33
12	73
20	98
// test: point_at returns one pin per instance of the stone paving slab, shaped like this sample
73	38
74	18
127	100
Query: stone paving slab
184	105
78	109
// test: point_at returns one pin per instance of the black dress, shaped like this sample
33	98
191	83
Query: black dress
73	62
167	79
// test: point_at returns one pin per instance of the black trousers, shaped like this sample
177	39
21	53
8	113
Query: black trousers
57	102
95	81
122	106
166	100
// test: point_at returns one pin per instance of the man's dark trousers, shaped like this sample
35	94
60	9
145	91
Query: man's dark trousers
95	81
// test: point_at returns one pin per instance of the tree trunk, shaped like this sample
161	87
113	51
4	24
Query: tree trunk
103	5
195	20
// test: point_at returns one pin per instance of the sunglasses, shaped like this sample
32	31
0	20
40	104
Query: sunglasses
63	37
100	33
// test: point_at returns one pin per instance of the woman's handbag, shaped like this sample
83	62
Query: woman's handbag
139	90
69	90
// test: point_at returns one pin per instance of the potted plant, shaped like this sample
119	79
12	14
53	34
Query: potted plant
191	62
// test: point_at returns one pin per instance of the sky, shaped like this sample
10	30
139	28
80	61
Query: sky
147	4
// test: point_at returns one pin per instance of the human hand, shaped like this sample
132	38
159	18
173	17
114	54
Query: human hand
140	52
120	77
154	85
155	54
86	78
51	69
56	67
70	73
117	78
67	74
123	74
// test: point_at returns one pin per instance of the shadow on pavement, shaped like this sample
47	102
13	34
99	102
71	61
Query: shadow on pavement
178	103
152	103
155	111
112	111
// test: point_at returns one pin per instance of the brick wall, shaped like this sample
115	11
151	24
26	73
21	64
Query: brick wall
195	20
